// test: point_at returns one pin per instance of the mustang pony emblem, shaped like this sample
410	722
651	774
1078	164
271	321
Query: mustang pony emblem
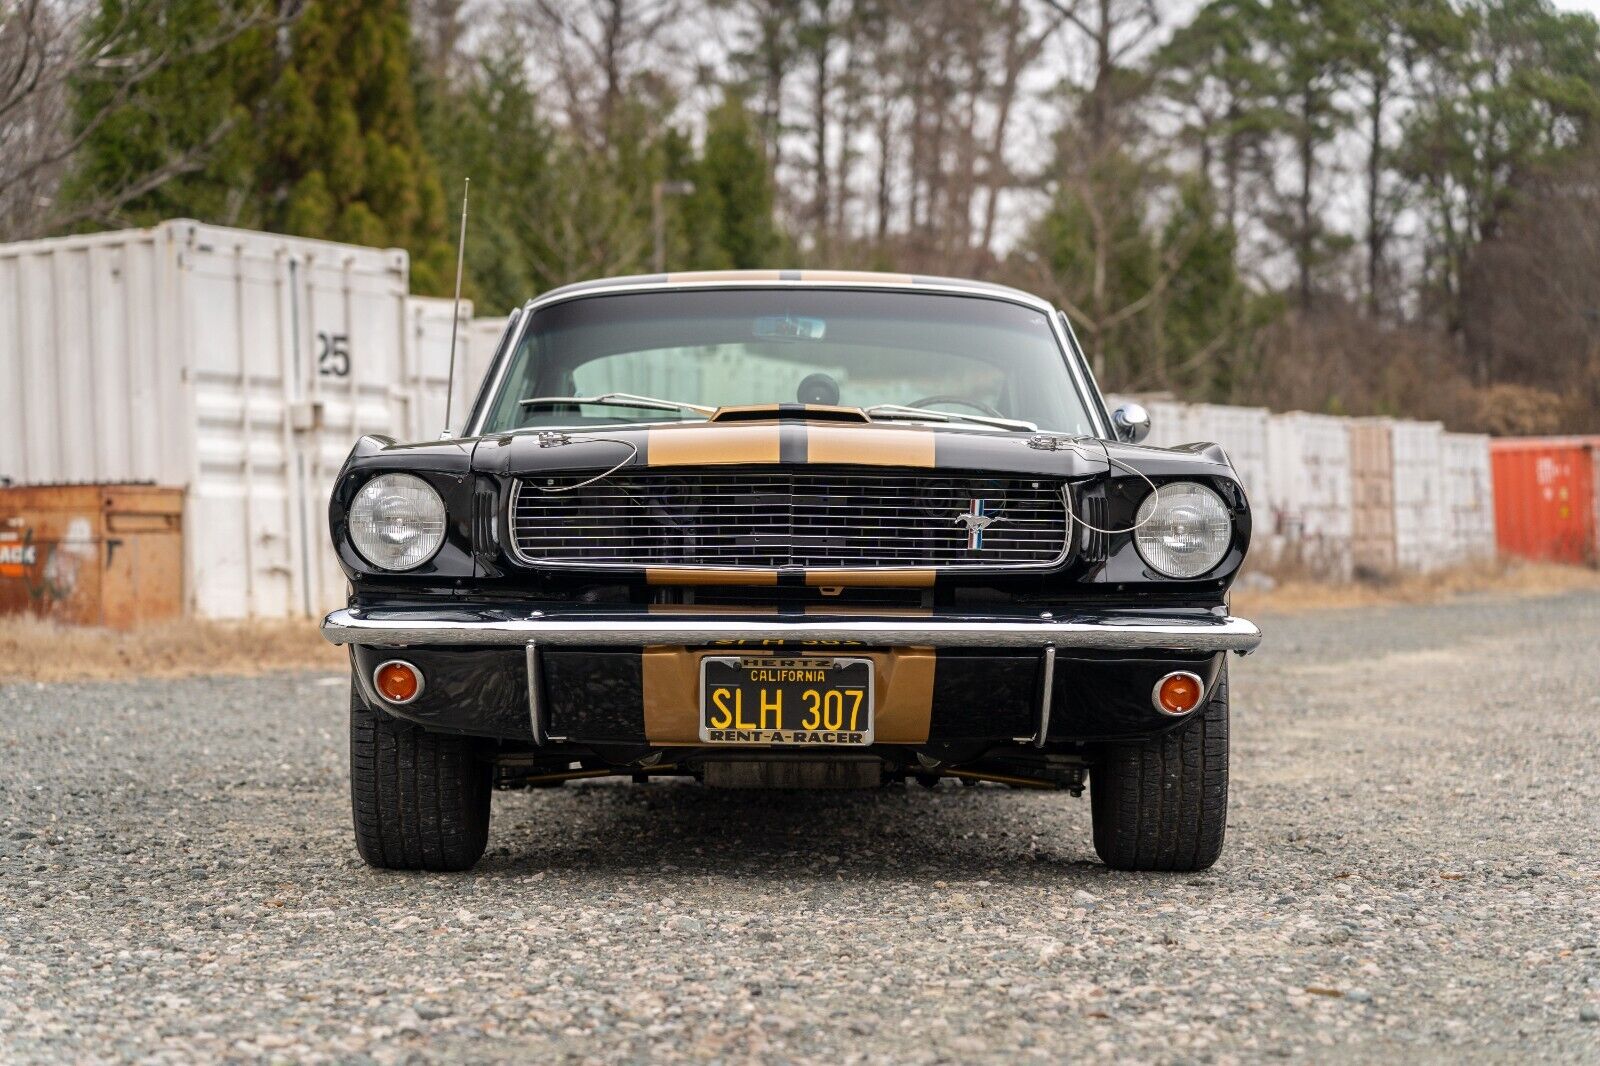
977	519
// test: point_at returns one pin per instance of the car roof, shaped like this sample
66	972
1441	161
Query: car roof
803	278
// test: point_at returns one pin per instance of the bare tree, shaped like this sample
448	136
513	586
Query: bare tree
439	27
599	52
1096	157
1023	42
48	48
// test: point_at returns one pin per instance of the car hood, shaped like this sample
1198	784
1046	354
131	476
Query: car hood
789	441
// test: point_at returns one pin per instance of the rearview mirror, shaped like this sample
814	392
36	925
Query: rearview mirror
1131	422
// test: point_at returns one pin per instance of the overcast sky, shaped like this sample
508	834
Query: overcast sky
1591	6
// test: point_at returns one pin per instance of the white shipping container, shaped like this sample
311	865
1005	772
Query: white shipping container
1307	518
239	365
428	335
1421	530
1468	490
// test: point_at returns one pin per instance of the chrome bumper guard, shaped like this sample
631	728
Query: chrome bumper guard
393	629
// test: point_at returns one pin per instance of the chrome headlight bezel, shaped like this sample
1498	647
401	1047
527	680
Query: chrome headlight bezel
397	522
1183	530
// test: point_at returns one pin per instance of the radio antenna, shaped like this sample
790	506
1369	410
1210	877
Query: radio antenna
455	309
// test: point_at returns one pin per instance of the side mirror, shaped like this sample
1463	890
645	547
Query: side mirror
1131	422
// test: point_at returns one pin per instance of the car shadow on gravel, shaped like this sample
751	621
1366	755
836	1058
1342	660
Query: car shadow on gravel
957	833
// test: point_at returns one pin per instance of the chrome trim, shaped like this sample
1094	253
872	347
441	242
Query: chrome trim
1082	373
1101	413
1155	693
514	549
501	354
422	682
1065	341
354	626
1046	696
535	686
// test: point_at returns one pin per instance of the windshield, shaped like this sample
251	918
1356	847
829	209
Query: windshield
959	355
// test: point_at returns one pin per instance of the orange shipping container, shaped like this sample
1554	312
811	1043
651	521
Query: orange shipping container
1544	497
109	555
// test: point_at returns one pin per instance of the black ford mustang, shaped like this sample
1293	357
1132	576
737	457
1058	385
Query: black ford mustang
790	529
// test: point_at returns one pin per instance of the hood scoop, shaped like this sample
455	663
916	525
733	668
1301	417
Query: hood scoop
789	412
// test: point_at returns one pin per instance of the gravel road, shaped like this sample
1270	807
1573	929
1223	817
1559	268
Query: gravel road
1412	871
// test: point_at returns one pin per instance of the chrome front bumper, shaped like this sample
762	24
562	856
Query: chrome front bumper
400	628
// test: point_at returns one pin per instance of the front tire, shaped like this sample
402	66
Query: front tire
1162	803
420	799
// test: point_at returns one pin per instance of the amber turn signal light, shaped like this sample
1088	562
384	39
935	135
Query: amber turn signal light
1179	693
397	681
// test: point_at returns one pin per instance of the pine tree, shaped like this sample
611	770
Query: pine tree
732	204
342	155
491	130
179	142
1099	217
1205	312
313	132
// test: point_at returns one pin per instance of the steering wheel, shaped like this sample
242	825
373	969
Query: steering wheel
962	401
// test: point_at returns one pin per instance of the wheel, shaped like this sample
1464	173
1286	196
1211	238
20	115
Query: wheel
420	799
1162	803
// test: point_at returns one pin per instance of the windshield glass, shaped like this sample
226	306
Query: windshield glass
958	355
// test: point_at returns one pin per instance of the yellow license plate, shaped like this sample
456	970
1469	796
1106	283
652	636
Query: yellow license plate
770	700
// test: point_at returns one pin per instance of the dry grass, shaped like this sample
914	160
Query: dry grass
32	649
1500	578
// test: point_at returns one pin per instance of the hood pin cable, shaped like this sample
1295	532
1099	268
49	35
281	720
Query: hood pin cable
1076	444
552	439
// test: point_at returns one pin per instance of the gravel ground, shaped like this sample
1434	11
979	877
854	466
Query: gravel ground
1412	872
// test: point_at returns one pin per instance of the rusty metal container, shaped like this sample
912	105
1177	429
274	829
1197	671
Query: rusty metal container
107	555
1545	503
1372	548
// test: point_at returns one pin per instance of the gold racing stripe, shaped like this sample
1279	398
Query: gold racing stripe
704	445
902	691
670	679
666	575
864	446
875	579
904	695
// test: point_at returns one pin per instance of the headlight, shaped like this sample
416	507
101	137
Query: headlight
1183	529
397	521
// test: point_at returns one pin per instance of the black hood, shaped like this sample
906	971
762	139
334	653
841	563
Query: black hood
775	441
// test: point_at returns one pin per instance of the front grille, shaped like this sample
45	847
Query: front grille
808	517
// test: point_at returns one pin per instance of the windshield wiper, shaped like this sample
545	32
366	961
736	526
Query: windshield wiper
617	399
895	410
